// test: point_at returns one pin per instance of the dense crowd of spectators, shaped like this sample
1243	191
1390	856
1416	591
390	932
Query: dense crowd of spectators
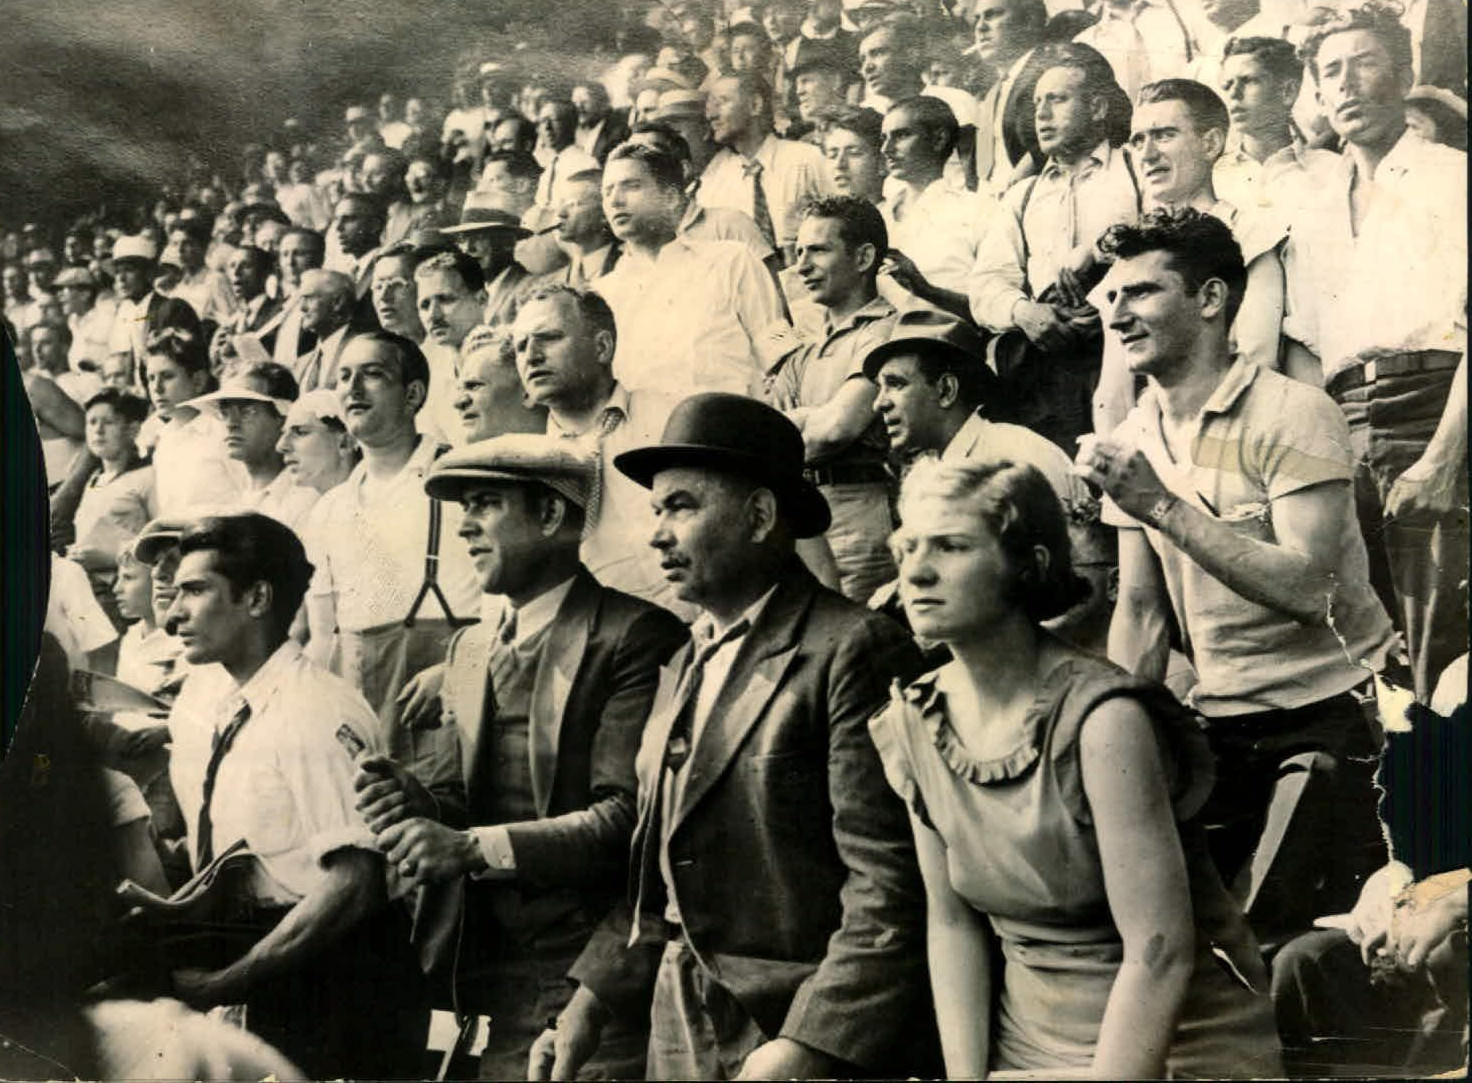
864	538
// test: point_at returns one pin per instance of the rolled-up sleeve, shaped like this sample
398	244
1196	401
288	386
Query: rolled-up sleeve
999	273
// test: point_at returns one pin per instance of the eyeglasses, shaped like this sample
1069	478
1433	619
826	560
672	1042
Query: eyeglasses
391	285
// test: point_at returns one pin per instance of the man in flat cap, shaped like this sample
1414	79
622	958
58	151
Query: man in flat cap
89	317
756	765
549	694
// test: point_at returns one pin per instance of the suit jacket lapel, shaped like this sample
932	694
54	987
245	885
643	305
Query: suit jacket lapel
765	655
562	657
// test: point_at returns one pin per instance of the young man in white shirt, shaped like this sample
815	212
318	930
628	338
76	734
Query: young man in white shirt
264	744
1388	258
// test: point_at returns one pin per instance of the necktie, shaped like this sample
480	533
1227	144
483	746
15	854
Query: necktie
677	749
761	213
224	740
503	652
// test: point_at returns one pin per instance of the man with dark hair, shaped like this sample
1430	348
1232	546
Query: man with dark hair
513	133
755	172
513	175
690	313
892	57
263	748
1267	168
1179	130
1006	34
698	222
392	607
451	296
381	175
759	724
557	125
600	128
582	231
934	225
327	301
1036	262
358	222
1387	258
853	162
206	291
1255	559
564	342
301	250
549	694
391	286
819	385
247	271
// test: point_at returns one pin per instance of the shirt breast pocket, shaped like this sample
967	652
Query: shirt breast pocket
272	820
1251	520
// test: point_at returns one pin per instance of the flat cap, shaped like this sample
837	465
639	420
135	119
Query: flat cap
564	466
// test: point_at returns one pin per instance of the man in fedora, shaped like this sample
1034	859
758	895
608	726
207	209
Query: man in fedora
937	396
755	765
488	233
134	261
548	694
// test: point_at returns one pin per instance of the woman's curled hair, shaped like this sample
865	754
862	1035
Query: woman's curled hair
1023	513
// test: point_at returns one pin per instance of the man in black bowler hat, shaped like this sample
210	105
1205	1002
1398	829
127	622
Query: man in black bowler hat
777	912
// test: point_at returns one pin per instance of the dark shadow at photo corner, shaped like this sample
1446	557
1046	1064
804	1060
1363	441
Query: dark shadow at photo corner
25	571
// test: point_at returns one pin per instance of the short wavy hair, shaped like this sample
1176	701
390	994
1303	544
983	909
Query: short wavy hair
253	548
1023	513
1200	246
1377	16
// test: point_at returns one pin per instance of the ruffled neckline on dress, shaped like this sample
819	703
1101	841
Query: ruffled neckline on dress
926	697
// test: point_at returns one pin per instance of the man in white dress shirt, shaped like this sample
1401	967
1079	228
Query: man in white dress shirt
264	744
755	171
1389	259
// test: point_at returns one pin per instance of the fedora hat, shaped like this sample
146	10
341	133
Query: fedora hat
737	435
484	210
823	56
932	332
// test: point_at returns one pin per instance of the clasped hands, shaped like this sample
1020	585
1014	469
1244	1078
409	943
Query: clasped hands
401	814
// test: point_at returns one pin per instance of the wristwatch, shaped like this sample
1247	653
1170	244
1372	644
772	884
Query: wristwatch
1157	512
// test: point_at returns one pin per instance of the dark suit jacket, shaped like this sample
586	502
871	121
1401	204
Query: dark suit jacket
593	687
615	131
793	861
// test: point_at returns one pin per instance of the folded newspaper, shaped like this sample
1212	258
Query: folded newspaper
101	694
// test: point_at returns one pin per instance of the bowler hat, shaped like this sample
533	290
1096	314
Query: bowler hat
931	332
737	435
